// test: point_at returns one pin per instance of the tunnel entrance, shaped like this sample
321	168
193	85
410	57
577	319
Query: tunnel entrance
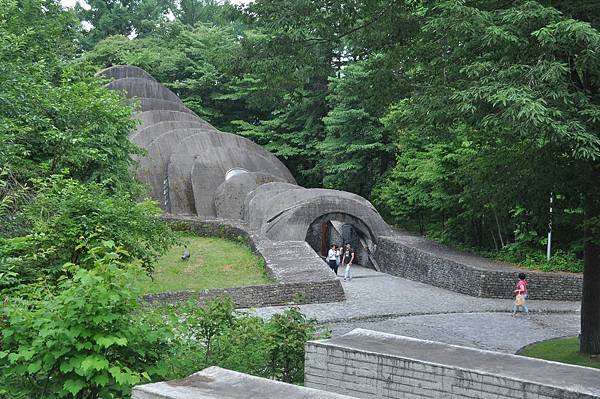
339	229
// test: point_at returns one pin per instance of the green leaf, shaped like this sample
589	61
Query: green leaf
94	362
34	367
73	386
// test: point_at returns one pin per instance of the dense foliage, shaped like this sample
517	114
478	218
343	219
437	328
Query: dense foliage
82	339
65	159
215	334
90	338
459	133
458	119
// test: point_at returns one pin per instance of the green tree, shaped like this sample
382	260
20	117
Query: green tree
67	219
357	149
218	13
501	95
121	17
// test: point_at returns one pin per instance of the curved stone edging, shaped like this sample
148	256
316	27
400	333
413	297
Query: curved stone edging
418	259
522	349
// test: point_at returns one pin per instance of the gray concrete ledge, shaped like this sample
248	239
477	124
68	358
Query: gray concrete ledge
218	383
376	361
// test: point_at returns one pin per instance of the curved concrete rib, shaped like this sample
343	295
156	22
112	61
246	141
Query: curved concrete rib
148	134
143	88
292	212
230	196
257	201
152	168
125	71
148	118
154	104
206	170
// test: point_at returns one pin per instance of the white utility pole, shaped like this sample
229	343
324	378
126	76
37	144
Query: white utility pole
549	248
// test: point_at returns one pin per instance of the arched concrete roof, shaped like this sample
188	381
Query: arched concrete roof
148	134
292	212
207	169
143	88
257	200
125	71
148	118
152	168
153	104
202	145
230	196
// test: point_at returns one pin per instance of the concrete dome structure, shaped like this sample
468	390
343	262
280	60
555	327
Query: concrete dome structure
191	168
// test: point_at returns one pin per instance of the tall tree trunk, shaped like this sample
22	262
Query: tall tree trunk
590	299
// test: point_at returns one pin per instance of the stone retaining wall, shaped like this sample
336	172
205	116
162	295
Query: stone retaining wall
258	295
299	274
369	364
429	263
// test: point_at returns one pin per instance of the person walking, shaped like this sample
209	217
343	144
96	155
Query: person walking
331	259
347	259
337	258
521	295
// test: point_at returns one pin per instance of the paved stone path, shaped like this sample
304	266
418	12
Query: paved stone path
390	304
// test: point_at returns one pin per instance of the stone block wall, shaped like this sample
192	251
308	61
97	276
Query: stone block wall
368	364
258	295
419	260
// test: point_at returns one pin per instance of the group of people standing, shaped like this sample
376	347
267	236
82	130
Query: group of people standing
343	255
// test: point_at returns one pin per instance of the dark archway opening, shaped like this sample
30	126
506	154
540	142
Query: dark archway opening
339	229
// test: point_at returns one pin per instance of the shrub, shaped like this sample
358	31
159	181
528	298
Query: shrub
87	339
217	335
69	218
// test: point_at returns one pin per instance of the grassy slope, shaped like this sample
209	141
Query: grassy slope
564	350
214	263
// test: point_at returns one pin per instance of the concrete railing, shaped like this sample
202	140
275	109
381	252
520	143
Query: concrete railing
218	383
369	364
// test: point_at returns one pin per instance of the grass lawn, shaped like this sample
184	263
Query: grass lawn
214	263
564	350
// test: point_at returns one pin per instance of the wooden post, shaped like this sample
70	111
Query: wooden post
324	248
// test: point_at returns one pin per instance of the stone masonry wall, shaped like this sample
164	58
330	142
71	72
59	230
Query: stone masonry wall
367	364
299	274
469	275
257	295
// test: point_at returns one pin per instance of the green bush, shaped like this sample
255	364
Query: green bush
560	261
68	218
217	335
85	338
88	337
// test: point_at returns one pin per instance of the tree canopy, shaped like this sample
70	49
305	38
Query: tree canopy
458	119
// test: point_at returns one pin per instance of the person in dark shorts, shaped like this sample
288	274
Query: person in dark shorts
347	259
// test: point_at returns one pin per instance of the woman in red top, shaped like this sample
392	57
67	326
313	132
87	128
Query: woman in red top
521	295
